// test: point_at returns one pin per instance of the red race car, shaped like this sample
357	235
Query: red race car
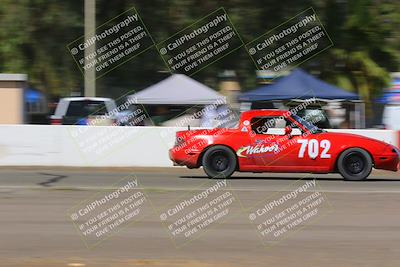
279	141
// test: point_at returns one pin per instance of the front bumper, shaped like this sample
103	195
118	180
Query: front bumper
388	162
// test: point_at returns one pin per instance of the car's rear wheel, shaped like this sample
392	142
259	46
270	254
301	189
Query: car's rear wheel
219	162
355	164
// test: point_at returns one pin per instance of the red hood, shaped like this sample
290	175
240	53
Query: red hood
357	138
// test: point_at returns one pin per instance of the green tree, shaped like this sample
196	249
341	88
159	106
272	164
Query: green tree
34	35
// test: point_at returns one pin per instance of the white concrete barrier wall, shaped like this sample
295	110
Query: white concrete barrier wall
103	146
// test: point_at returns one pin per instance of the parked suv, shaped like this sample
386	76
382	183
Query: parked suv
84	111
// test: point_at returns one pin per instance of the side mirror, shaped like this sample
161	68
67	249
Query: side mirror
288	130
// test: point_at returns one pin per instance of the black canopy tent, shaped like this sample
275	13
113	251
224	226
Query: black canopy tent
300	86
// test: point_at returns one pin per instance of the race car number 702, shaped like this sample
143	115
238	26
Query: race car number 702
313	148
223	151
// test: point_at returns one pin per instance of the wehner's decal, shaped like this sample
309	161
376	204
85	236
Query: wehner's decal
245	151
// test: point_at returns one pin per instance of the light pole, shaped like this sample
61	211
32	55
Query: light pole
90	30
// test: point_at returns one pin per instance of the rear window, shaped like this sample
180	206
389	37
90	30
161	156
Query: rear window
85	108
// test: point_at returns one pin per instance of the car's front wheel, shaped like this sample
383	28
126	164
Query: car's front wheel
355	164
219	162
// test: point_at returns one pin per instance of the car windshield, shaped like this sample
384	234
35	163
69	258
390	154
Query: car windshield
308	125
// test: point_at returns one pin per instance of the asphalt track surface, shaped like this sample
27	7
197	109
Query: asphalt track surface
359	224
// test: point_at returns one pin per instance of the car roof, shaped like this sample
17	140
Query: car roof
87	98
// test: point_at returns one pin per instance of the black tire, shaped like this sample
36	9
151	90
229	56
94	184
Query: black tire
354	164
219	162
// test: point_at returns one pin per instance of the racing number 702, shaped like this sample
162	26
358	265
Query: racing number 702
313	148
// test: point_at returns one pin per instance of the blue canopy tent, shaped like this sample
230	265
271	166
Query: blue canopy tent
32	96
299	85
386	107
391	95
35	106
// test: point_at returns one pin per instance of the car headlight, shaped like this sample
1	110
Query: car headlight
397	151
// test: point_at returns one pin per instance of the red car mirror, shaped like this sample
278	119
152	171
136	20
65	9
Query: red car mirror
288	130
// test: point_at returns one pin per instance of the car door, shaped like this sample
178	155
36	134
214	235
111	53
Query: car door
271	149
314	152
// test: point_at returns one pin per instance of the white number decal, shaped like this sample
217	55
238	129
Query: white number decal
326	145
313	148
303	147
